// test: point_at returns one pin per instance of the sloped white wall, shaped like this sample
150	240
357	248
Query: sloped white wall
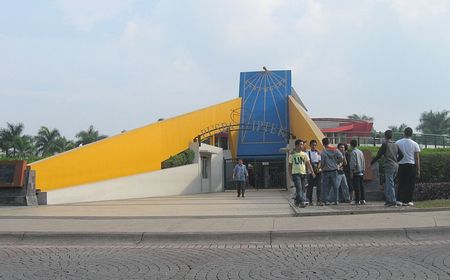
180	180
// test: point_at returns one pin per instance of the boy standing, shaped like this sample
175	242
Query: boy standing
298	160
331	157
392	155
408	168
357	168
314	181
240	175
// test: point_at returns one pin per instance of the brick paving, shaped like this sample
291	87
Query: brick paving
359	260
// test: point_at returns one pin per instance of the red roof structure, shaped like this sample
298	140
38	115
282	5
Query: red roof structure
344	126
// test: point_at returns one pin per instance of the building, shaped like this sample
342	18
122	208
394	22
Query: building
257	127
343	130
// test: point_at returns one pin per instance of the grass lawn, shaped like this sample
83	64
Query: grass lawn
432	203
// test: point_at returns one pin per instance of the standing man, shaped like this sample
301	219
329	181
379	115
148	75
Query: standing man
357	168
331	157
314	157
392	155
408	168
298	160
341	178
240	175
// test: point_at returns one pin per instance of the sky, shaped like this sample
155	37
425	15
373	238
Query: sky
120	65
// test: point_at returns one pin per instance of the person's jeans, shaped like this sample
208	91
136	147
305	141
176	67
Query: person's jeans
299	183
314	182
329	182
240	186
358	187
389	186
342	184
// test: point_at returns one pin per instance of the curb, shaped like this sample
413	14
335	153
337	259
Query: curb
297	212
263	237
360	210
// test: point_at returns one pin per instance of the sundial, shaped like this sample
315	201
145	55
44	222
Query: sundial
264	106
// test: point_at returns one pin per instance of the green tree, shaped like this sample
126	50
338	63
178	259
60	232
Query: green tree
360	117
434	122
47	141
88	136
25	147
399	128
64	145
11	138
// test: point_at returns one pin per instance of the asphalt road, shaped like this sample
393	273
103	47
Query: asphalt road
349	260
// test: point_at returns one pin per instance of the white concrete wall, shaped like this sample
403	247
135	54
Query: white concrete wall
216	166
166	182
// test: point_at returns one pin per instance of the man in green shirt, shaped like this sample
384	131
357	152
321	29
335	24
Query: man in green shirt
298	160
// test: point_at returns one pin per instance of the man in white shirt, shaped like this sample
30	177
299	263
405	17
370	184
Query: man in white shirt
408	168
314	157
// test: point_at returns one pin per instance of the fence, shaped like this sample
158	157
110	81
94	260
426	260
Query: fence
377	138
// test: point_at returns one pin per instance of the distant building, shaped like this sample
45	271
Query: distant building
339	129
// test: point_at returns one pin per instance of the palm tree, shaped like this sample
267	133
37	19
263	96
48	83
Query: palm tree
10	138
88	136
47	141
25	147
434	122
360	117
64	145
399	128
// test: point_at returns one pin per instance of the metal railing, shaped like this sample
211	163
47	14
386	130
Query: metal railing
377	138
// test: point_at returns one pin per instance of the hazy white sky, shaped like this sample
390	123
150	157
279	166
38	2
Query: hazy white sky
121	64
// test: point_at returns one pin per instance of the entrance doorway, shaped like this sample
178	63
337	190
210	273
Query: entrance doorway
263	173
206	173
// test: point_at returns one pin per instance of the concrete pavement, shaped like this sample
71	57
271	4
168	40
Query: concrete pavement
262	216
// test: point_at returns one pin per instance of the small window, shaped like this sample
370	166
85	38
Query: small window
205	163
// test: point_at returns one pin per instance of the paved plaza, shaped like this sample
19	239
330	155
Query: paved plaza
376	260
220	236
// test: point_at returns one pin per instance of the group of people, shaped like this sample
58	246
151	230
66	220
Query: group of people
338	173
330	171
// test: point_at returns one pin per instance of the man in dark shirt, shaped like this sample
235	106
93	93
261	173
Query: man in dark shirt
392	155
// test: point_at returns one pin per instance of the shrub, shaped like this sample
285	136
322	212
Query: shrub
430	191
434	165
183	158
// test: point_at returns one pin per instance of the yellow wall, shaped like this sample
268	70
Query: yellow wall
136	151
301	125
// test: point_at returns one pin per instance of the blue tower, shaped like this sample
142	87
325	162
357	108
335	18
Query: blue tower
264	127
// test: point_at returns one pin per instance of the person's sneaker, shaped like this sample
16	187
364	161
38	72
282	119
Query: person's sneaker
327	203
335	203
410	203
405	204
362	202
354	202
304	204
398	203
